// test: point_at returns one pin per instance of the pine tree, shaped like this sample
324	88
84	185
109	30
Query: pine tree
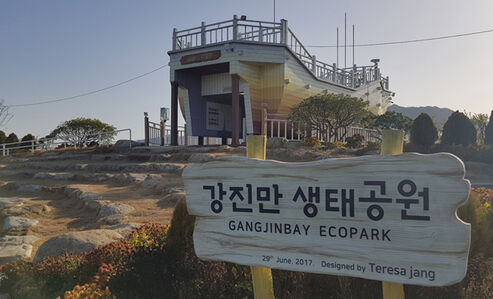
423	131
488	135
459	130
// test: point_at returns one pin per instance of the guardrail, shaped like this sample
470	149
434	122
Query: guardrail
279	126
263	32
47	144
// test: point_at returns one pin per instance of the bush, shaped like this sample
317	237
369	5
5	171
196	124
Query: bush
88	291
2	136
28	137
373	146
11	138
355	141
311	141
488	138
423	131
458	130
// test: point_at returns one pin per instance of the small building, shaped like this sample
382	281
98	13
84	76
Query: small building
225	75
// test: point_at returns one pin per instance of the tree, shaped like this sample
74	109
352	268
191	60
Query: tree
11	138
28	137
458	130
84	131
5	115
488	132
3	137
393	120
329	112
423	131
480	121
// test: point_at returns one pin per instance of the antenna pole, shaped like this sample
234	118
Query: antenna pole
337	51
274	11
345	44
353	44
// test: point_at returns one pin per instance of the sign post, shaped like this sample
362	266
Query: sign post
261	276
389	218
392	144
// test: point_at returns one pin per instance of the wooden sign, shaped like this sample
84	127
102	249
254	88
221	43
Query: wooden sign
200	57
389	218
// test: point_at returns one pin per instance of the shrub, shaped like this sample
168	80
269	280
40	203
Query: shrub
373	146
11	138
88	291
488	136
458	130
355	141
423	131
28	137
311	141
2	136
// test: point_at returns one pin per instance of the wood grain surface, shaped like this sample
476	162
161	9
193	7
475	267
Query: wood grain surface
353	242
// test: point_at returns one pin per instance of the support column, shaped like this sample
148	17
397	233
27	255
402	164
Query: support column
201	140
146	129
174	113
224	141
235	81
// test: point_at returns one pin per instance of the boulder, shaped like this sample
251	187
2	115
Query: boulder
76	242
12	252
200	158
18	239
125	228
124	178
30	188
90	196
125	144
276	142
6	202
115	209
15	221
43	175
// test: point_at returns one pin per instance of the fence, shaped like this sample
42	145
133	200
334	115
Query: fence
278	125
262	32
46	144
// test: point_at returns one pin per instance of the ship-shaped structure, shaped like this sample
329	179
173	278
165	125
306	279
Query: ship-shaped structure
223	75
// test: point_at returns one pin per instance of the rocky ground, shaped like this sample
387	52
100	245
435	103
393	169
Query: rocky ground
73	201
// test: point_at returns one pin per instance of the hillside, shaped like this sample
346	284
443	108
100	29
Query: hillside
439	115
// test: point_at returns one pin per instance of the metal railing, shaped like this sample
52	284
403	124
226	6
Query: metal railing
279	126
47	144
263	32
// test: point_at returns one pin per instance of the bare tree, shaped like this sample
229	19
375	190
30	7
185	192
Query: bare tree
5	115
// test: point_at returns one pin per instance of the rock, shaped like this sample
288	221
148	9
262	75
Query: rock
43	175
6	202
63	176
276	142
25	175
30	188
13	252
200	158
114	219
18	239
95	204
90	196
115	209
125	228
175	197
72	192
124	178
125	144
166	167
15	221
153	181
175	190
76	242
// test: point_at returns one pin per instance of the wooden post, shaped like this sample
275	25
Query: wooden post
235	110
162	123
392	144
174	113
261	276
146	129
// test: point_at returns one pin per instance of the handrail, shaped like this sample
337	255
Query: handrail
266	32
43	143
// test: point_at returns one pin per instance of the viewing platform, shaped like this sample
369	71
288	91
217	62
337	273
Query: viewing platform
227	75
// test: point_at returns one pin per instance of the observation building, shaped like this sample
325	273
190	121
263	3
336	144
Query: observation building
226	75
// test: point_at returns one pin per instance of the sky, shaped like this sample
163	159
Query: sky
52	49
